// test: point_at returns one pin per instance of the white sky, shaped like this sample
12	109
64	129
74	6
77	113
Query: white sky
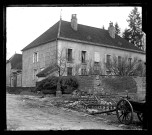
24	24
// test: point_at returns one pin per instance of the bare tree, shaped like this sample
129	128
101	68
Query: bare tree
91	68
61	63
125	66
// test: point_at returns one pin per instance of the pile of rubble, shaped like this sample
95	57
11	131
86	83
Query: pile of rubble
99	107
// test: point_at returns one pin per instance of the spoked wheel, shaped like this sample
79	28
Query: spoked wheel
140	116
124	111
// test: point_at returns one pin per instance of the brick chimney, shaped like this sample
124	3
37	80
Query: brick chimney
74	24
111	30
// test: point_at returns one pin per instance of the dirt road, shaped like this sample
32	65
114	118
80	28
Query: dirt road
24	113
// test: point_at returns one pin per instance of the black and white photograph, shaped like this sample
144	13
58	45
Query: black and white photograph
75	68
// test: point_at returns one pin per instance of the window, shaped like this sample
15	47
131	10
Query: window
108	72
83	71
83	56
108	59
139	61
119	60
35	57
69	55
69	70
129	60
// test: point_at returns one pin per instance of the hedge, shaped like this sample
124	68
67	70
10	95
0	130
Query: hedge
49	85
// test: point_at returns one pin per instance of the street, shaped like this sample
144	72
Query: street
26	112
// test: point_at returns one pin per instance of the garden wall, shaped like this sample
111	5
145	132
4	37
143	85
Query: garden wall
18	90
110	84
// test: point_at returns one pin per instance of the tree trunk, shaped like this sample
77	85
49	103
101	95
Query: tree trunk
58	92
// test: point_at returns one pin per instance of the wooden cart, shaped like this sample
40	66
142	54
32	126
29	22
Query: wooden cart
125	110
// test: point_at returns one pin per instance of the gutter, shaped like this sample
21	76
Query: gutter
97	44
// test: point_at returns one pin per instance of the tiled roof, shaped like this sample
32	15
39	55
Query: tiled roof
16	61
47	71
84	34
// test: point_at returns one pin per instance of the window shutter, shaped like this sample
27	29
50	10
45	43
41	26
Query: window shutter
33	58
87	56
37	56
72	55
80	55
79	71
66	54
96	57
105	58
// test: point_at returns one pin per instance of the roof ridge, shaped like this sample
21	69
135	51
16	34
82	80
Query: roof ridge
86	25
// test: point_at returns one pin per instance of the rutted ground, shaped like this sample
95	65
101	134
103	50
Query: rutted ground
25	112
33	114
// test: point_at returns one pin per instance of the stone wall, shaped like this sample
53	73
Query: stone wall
86	83
109	84
141	87
18	90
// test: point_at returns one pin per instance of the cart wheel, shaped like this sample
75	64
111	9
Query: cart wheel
140	116
124	111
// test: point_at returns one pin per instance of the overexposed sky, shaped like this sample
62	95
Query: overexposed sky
25	24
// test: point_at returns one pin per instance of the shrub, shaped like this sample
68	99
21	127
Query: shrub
40	84
69	84
49	85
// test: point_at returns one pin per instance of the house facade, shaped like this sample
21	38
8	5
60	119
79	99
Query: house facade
77	47
14	71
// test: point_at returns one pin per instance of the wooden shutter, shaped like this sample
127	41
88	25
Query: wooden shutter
33	57
67	54
71	55
87	56
37	56
105	58
80	55
96	57
79	71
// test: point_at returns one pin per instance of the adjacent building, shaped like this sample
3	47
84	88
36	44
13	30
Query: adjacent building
76	47
14	71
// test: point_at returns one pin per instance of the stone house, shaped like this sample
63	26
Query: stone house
80	45
14	71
